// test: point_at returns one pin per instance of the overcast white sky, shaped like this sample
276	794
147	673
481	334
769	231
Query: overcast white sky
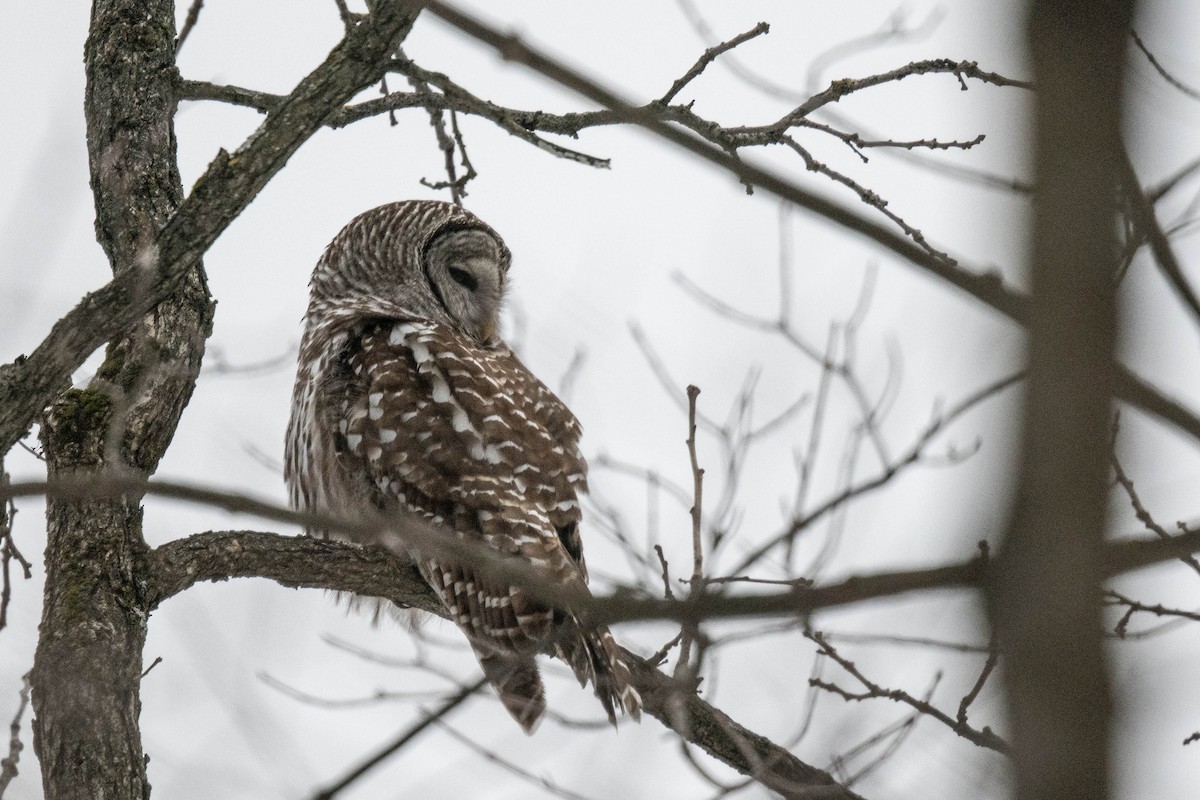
595	251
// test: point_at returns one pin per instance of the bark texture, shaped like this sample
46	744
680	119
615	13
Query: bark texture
88	664
1045	600
155	316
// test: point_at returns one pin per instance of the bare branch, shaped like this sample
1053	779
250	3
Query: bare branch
897	732
228	185
513	49
449	146
374	698
1167	76
540	781
891	469
684	668
8	548
847	86
984	737
428	718
989	665
711	55
8	765
1142	514
298	561
193	16
1133	606
301	561
914	641
469	103
894	30
986	287
728	741
1147	224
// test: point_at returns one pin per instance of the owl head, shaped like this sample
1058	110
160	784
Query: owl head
432	260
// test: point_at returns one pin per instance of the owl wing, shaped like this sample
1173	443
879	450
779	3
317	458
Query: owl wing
471	440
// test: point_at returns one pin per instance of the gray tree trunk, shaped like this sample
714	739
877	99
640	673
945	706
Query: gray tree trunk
1045	599
88	663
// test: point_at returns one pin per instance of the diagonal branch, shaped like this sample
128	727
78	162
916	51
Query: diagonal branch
988	288
302	562
229	184
708	727
299	561
428	720
710	55
1147	223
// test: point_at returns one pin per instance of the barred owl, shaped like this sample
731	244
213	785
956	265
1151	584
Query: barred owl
407	402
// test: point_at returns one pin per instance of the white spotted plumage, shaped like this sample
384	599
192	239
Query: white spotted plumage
406	401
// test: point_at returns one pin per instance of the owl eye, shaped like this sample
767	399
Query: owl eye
463	278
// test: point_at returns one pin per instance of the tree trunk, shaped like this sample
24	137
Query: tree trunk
1045	600
89	657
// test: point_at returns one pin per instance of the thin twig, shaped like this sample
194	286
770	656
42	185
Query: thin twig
912	641
893	30
711	55
189	22
372	699
540	781
895	735
428	719
1147	223
1142	514
1167	76
447	144
684	667
984	737
988	666
8	765
935	426
1133	606
8	548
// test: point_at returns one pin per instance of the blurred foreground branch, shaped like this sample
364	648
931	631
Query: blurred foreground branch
298	561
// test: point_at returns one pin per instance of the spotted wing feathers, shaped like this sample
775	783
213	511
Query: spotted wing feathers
472	441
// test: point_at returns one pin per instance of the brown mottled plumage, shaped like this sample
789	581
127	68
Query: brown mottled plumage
407	401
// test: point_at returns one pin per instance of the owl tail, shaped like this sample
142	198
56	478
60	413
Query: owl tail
517	683
595	658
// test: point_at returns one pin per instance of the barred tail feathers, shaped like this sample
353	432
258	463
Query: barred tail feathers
595	658
517	683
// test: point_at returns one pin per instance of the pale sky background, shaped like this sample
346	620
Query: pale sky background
595	251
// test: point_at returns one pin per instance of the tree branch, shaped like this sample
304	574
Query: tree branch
988	288
228	185
303	562
1147	224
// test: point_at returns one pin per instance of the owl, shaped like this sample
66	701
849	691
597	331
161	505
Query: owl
407	402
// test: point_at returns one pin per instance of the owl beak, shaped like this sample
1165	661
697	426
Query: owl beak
489	328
